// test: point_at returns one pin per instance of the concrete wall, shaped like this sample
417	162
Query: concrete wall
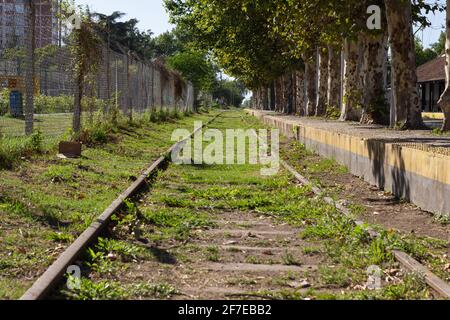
420	177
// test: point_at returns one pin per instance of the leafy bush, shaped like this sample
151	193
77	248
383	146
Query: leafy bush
94	135
13	149
333	113
4	102
64	104
46	104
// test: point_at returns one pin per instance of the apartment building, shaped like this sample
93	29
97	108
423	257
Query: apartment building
14	25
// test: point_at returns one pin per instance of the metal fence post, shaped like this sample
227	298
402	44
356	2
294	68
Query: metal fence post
29	63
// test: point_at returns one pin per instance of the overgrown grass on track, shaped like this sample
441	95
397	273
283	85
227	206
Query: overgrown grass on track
46	202
184	195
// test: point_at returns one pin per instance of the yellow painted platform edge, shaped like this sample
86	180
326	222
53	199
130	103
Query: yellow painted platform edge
423	163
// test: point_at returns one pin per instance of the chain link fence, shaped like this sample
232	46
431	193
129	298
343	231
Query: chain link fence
42	93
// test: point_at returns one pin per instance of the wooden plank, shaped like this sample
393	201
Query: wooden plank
439	285
442	287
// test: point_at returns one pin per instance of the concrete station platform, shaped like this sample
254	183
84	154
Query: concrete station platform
413	165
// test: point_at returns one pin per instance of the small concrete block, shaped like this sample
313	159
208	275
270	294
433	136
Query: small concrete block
70	149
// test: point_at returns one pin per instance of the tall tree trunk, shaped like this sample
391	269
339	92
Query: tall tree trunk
278	95
256	99
272	96
78	95
375	107
287	93
311	85
300	94
444	102
29	64
265	98
322	94
406	113
352	95
334	78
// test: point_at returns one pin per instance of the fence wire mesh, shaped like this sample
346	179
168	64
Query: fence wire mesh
42	93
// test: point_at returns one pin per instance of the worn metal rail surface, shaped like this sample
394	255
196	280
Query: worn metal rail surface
52	276
439	285
408	262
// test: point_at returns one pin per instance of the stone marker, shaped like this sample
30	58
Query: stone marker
70	149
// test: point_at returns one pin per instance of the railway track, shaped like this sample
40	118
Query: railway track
228	231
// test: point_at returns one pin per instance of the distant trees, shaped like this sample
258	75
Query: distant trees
229	92
287	53
439	46
444	101
175	47
423	55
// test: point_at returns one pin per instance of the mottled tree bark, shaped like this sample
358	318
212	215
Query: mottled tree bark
334	78
444	101
311	85
264	98
287	93
272	96
78	95
300	94
278	94
375	107
351	109
406	113
322	94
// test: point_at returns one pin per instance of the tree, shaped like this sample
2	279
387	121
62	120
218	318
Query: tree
375	108
407	113
105	26
444	101
86	52
321	108
236	32
439	46
423	55
166	44
195	67
230	92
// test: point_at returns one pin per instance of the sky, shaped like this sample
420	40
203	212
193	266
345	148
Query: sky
431	35
152	15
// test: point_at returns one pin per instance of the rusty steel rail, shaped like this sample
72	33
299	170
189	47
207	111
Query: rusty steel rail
52	276
439	285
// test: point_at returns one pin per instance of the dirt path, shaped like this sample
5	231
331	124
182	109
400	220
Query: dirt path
372	205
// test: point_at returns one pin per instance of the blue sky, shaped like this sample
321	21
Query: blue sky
153	16
431	35
150	13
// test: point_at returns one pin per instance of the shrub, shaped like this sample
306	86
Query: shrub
64	104
4	102
13	149
175	114
333	113
46	104
94	135
163	115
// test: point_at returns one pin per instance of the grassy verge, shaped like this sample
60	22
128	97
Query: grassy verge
46	202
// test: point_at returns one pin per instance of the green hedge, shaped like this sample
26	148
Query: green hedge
46	104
